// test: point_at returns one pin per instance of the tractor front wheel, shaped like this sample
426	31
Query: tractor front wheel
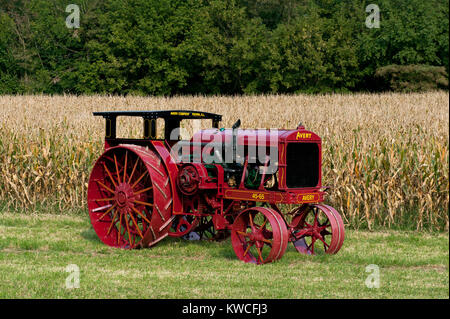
317	229
259	235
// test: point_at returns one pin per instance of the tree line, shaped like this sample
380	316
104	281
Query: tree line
167	47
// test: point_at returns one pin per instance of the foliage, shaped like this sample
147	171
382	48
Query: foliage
171	47
9	81
412	78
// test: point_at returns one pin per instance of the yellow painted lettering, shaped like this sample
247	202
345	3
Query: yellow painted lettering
303	135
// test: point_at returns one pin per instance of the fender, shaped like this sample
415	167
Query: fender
172	170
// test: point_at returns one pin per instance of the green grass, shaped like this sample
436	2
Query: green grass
36	249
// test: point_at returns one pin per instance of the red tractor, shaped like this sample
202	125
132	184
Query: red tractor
220	183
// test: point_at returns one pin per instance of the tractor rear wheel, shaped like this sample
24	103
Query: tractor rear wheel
316	229
259	235
129	197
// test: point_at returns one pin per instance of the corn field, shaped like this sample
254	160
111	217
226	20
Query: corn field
386	156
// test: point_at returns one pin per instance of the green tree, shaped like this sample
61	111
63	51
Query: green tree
231	49
9	68
411	32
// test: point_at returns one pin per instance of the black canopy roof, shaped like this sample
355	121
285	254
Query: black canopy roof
167	114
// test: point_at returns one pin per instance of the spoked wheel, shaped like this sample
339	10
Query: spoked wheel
317	229
121	198
184	224
259	235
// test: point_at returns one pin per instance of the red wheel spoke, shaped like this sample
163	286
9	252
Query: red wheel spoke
325	223
251	221
139	179
132	172
243	234
103	199
248	248
316	215
136	225
311	246
143	203
118	233
301	233
324	242
267	241
112	221
140	214
106	213
125	167
263	224
143	190
117	169
105	187
322	227
109	174
259	253
128	229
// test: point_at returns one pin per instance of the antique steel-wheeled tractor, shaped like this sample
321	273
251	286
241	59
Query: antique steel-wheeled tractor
261	187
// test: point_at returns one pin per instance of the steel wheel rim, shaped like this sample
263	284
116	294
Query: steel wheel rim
259	236
317	229
120	198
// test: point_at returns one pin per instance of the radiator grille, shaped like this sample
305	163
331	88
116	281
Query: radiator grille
302	165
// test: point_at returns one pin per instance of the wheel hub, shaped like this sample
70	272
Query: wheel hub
316	233
124	194
256	236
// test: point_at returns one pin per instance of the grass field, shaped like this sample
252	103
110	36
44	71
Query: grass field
35	250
